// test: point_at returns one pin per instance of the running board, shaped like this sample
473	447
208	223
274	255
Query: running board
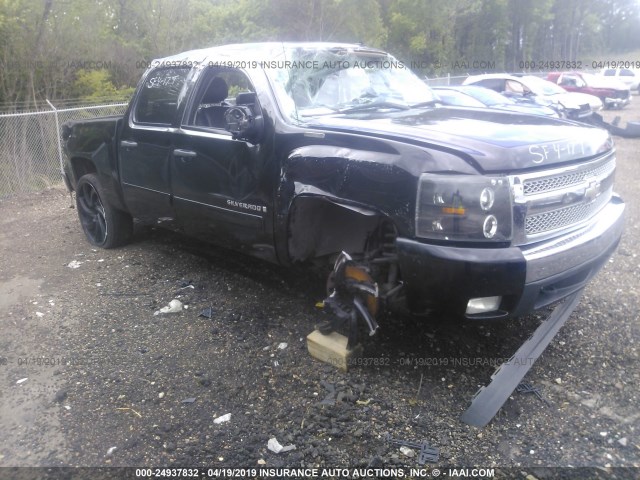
488	400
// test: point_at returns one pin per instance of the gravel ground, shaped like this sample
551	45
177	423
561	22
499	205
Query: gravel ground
110	384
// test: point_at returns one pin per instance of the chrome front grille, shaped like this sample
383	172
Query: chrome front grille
556	219
559	181
556	201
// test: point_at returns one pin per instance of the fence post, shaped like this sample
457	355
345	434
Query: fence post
55	113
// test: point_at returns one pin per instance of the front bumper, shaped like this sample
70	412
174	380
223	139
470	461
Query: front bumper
616	102
527	278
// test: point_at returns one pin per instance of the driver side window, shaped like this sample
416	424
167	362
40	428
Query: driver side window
220	89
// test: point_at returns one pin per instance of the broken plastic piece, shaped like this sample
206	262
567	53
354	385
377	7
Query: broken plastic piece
206	313
74	264
427	452
528	388
222	419
407	452
189	400
22	380
488	400
276	447
329	399
632	129
173	307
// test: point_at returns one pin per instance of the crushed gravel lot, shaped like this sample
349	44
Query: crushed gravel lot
108	383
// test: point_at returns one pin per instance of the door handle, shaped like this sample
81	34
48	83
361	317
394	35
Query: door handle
128	144
178	152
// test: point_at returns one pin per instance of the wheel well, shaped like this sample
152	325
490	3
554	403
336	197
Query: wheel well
319	227
80	167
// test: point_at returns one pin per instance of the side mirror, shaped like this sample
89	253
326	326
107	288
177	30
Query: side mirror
243	124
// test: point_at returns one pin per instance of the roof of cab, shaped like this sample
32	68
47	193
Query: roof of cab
257	51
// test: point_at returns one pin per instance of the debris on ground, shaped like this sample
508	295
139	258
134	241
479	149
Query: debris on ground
427	452
632	129
60	396
173	307
74	264
207	313
528	388
222	419
137	414
22	380
189	400
407	452
282	345
110	451
330	398
276	447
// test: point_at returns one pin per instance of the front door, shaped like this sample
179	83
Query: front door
221	186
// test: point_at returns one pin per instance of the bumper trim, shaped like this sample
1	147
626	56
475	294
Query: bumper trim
488	400
564	253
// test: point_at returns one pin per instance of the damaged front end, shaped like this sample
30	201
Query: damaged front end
361	286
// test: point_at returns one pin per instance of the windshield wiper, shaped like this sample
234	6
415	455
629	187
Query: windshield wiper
430	103
375	105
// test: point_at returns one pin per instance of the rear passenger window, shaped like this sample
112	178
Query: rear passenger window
626	73
158	100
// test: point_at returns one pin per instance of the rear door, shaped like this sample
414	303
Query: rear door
146	145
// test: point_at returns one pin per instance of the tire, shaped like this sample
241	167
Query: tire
103	225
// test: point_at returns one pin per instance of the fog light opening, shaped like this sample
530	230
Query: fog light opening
483	305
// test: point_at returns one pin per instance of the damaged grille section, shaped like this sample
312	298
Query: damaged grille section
554	202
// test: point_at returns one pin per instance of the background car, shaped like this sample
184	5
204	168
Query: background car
629	77
473	96
612	92
575	105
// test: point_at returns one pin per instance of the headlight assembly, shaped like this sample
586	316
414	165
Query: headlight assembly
470	208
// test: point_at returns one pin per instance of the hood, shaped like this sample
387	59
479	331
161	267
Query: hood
607	82
490	140
531	109
573	100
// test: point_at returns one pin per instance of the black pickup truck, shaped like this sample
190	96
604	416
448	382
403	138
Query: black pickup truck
338	153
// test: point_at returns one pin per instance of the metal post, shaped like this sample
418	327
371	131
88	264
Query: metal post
55	112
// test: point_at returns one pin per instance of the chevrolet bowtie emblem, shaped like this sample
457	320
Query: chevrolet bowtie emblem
593	190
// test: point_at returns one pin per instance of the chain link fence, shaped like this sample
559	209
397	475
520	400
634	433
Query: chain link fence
29	146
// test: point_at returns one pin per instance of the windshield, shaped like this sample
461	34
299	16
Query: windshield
543	87
313	82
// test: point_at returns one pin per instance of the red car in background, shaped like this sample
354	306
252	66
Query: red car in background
614	94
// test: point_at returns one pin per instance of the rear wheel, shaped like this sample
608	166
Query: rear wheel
104	225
